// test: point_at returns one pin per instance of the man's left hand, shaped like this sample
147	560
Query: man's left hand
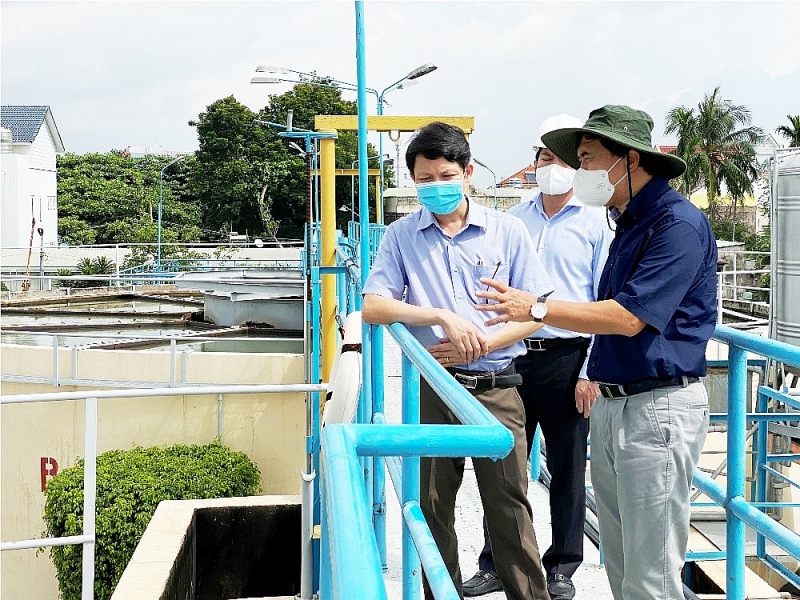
586	392
514	304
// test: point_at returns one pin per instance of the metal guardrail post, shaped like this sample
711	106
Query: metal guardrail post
55	360
172	348
89	497
737	430
411	481
379	463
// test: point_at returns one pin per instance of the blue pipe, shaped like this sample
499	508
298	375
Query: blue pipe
431	559
536	455
365	403
780	351
411	479
737	430
433	440
350	540
759	460
379	475
777	533
465	407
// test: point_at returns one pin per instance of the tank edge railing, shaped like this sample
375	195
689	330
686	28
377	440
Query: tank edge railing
91	397
347	514
176	377
739	512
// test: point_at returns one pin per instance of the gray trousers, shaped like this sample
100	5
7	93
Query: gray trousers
644	451
503	487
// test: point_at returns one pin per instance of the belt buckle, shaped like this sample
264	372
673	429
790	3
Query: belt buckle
468	381
613	390
534	344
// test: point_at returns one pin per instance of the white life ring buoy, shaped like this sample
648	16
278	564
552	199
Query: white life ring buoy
345	382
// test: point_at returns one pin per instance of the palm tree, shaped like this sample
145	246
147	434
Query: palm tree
791	131
717	154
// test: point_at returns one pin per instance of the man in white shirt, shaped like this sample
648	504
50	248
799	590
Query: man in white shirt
572	241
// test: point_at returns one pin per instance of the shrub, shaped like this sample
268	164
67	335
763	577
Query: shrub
130	484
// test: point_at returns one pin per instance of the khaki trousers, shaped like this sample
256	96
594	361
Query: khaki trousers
503	488
644	452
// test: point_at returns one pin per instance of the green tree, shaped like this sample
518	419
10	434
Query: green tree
791	131
104	198
719	146
248	178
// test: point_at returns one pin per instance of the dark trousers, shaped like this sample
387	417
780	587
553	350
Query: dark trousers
548	393
503	488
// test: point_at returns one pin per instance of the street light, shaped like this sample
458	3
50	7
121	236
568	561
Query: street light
406	81
161	203
477	162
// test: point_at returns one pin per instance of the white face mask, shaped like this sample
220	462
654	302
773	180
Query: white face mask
554	179
593	188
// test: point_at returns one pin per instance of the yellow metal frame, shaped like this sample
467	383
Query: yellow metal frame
327	175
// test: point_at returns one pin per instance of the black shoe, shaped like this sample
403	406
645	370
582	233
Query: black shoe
560	587
483	582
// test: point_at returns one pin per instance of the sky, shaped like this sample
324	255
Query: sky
119	74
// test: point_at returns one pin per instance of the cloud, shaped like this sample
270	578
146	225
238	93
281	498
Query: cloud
134	73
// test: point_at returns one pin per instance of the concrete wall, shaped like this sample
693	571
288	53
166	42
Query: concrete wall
270	429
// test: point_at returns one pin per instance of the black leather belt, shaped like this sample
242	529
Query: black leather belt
613	390
542	344
486	380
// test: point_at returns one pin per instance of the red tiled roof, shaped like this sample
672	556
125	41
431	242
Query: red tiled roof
667	149
519	175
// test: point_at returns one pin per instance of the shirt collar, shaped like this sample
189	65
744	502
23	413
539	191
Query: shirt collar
538	202
643	203
476	215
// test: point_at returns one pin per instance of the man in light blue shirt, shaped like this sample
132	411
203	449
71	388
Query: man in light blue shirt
425	275
572	241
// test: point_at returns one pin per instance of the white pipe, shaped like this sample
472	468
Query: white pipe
307	532
89	498
172	347
55	361
161	392
44	542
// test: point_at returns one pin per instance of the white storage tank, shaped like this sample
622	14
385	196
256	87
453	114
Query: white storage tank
785	270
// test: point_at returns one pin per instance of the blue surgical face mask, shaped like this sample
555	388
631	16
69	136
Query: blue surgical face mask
441	197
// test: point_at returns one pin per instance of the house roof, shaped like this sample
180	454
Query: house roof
526	174
26	121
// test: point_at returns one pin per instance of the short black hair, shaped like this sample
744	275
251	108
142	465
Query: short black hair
437	140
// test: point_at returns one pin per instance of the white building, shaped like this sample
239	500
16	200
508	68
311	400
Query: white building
28	197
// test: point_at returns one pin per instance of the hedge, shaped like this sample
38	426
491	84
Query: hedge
130	484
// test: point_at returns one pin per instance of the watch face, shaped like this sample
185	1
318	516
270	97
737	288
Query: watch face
539	310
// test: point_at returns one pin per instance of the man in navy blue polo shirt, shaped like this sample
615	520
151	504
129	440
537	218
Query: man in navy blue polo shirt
655	313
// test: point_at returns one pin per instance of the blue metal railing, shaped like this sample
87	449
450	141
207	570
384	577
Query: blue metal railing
347	511
739	512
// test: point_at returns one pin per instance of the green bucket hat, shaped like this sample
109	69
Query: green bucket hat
621	124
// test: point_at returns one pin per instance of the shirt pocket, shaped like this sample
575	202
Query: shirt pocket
500	273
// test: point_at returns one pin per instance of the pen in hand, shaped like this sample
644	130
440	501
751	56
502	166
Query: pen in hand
496	269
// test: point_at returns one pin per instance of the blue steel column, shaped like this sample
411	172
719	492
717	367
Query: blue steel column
411	481
536	455
379	476
365	403
759	462
737	425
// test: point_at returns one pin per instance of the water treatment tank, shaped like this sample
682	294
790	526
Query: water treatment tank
785	271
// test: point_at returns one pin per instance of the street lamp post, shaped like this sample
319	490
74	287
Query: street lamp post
160	204
477	162
406	81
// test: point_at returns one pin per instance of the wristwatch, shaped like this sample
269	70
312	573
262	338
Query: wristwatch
539	309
